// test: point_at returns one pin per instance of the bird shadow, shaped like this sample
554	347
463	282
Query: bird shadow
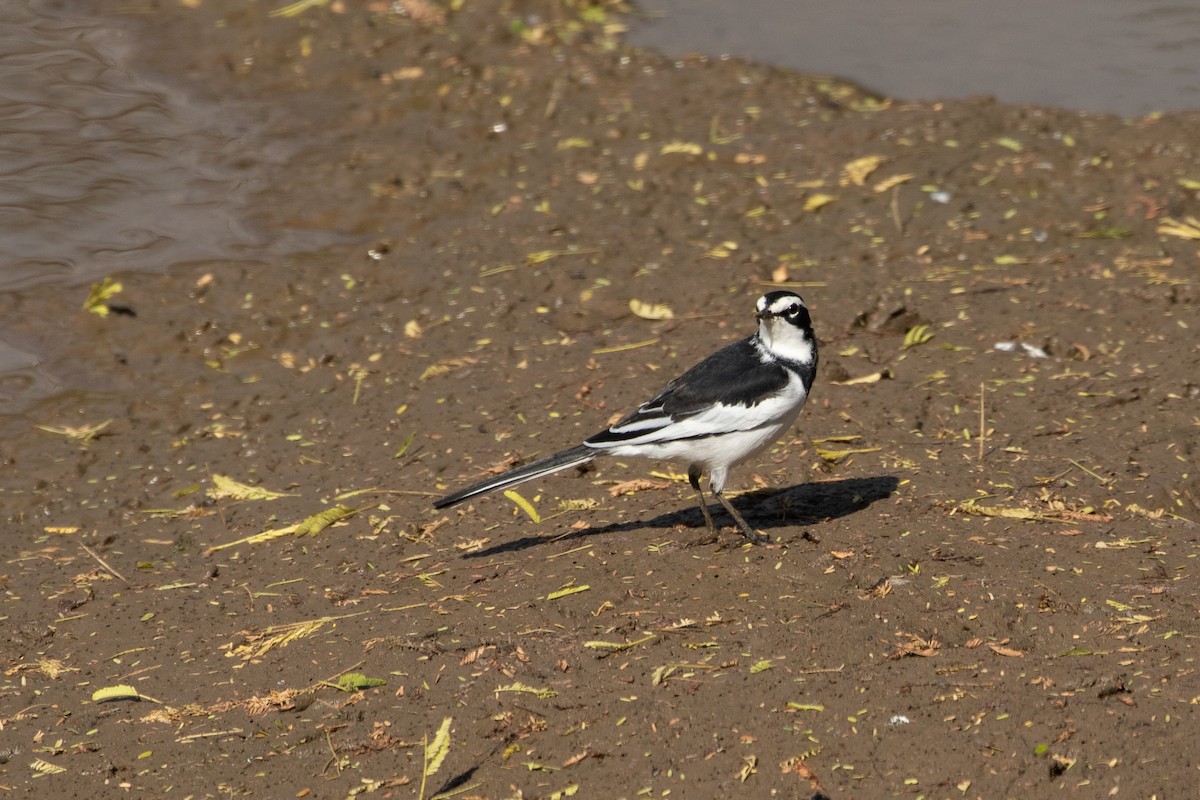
765	509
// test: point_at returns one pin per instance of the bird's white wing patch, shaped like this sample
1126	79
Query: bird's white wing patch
649	422
717	419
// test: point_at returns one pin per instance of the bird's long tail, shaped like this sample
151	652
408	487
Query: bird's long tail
575	456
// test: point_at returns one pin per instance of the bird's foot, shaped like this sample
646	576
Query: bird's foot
753	536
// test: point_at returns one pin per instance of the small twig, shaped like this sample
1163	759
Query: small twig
102	562
191	737
555	95
821	670
330	680
337	762
896	209
424	764
1103	480
982	422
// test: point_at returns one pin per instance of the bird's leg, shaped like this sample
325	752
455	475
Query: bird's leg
694	479
751	535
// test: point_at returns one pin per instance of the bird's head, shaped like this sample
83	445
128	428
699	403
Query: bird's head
785	327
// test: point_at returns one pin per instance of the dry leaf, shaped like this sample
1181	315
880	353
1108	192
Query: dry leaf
1188	228
446	366
857	171
874	377
817	201
895	180
226	488
101	293
651	311
636	485
834	456
1001	650
915	646
687	148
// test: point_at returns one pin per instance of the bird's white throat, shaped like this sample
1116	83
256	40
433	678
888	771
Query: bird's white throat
784	340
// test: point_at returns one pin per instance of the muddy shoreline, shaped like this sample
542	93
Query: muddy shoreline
981	580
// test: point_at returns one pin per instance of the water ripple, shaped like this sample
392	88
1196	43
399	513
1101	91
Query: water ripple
102	168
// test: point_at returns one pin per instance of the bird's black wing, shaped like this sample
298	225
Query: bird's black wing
724	392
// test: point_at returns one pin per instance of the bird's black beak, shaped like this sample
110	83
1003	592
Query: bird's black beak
761	315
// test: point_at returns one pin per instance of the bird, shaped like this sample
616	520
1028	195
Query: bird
722	411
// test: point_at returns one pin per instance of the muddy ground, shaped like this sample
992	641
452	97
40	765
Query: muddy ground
983	573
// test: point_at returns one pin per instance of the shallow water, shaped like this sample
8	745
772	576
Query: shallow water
1128	57
103	170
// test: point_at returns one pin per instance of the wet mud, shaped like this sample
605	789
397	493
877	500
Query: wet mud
222	575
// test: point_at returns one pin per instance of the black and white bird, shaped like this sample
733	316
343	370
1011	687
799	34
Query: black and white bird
722	411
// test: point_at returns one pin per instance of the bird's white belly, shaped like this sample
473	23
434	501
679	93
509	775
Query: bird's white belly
709	452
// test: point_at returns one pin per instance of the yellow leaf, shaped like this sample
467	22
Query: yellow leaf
522	688
566	590
572	142
119	692
227	488
97	300
524	505
687	148
817	201
919	334
723	250
616	647
805	706
838	455
874	377
438	748
311	526
445	367
895	180
1188	228
297	8
857	171
650	311
83	433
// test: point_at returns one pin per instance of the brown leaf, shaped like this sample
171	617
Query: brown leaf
473	656
1001	650
1066	734
636	485
916	646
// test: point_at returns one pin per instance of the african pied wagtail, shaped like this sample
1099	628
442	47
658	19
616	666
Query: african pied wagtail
722	411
